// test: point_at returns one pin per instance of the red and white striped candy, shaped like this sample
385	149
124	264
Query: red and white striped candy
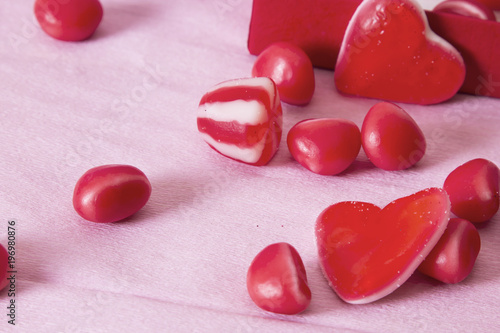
242	119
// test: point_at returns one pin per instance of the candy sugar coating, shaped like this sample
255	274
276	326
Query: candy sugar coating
324	146
366	252
453	257
290	68
391	139
277	281
111	193
4	262
242	119
389	52
473	188
69	20
470	8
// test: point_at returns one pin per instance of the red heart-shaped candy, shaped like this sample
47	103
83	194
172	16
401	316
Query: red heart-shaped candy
367	252
389	52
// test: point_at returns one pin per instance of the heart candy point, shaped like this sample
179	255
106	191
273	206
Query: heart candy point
367	252
389	52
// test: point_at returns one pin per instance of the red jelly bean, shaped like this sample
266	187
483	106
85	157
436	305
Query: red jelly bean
291	70
468	8
110	193
473	189
324	146
453	257
389	52
366	252
277	281
391	138
4	262
242	119
68	20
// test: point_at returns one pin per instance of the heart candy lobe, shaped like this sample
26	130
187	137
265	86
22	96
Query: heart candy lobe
389	52
366	252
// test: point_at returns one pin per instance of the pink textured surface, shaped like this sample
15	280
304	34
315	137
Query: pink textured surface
129	95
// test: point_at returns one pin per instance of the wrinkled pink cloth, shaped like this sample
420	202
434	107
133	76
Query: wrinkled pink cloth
129	95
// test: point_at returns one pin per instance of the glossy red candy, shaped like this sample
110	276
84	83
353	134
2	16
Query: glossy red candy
473	189
453	257
492	4
68	20
366	252
389	52
391	138
277	281
470	8
290	68
242	119
110	193
324	146
4	262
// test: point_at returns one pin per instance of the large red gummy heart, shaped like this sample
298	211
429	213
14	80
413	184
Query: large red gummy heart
389	52
367	252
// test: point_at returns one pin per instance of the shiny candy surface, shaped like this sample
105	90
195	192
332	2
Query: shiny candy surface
391	138
492	4
111	193
470	8
389	52
473	188
242	119
69	20
277	281
324	146
453	257
367	252
290	68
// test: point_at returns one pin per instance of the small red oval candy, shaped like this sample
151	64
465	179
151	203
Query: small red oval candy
391	138
473	188
470	8
277	281
110	193
290	68
4	262
69	20
324	146
453	257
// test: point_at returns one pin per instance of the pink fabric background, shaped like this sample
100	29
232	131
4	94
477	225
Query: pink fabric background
129	95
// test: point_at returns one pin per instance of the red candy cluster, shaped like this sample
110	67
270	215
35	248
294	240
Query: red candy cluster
365	251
